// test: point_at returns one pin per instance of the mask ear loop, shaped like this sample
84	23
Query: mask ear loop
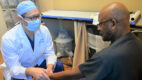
18	22
22	18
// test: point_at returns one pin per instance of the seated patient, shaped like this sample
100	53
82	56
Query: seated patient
122	60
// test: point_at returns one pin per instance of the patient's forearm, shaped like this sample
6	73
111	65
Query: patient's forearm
67	75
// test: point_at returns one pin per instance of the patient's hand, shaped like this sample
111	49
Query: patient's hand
49	71
50	68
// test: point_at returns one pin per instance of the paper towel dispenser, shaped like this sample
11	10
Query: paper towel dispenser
134	17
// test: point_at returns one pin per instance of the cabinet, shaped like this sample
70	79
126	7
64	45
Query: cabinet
9	11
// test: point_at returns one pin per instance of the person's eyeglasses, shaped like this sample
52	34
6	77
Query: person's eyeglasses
101	23
34	17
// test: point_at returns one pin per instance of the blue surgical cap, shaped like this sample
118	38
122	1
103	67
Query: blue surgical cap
25	6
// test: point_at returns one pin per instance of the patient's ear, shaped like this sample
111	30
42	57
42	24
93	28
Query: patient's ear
114	24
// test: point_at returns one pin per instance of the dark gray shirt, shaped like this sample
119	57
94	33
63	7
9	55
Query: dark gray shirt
122	60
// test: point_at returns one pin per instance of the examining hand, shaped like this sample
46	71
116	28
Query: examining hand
37	73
